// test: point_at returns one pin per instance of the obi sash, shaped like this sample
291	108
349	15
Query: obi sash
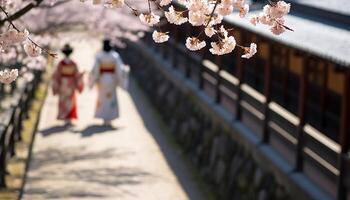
107	68
68	70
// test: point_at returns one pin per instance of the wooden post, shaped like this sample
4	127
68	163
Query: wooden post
324	96
267	94
285	77
344	137
174	47
303	86
218	62
239	91
240	77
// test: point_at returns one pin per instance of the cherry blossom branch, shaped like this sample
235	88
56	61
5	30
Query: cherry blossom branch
59	3
286	27
21	12
211	16
149	6
212	13
14	26
135	11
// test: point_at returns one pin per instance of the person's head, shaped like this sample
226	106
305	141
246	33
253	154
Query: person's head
107	45
67	50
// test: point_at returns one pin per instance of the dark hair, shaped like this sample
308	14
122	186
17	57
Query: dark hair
67	50
107	45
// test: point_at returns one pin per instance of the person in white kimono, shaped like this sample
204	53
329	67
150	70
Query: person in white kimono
108	72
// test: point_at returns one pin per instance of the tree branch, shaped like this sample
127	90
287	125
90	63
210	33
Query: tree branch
46	6
21	12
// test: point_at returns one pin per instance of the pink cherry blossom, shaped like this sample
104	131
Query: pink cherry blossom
254	20
224	9
174	17
8	76
224	46
114	3
196	18
277	11
149	19
227	2
202	13
194	44
31	49
198	6
209	31
265	19
243	10
21	36
215	20
160	37
238	3
278	27
249	52
164	2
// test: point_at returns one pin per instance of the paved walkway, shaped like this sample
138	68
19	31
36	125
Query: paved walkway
133	161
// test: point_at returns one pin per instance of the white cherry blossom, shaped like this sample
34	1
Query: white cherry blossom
227	2
209	31
149	19
224	9
254	20
277	28
277	11
21	36
164	2
243	10
249	52
215	20
194	44
31	49
160	37
238	3
224	46
8	76
272	16
265	19
175	17
196	18
198	6
114	3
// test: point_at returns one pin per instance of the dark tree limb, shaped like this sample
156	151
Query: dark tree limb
21	12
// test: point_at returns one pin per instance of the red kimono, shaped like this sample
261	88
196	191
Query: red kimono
66	81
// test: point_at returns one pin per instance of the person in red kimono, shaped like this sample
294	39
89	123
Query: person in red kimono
66	81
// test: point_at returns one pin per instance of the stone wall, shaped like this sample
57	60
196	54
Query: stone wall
226	162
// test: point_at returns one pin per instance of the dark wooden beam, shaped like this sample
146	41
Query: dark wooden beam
344	137
324	94
267	94
218	62
239	75
286	76
302	101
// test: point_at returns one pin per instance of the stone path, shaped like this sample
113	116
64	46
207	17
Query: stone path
133	161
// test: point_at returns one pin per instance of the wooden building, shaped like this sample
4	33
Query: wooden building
305	75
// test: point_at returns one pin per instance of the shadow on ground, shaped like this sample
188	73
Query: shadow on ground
54	129
170	152
73	168
96	129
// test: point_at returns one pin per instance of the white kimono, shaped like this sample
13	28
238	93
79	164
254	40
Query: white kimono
108	72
